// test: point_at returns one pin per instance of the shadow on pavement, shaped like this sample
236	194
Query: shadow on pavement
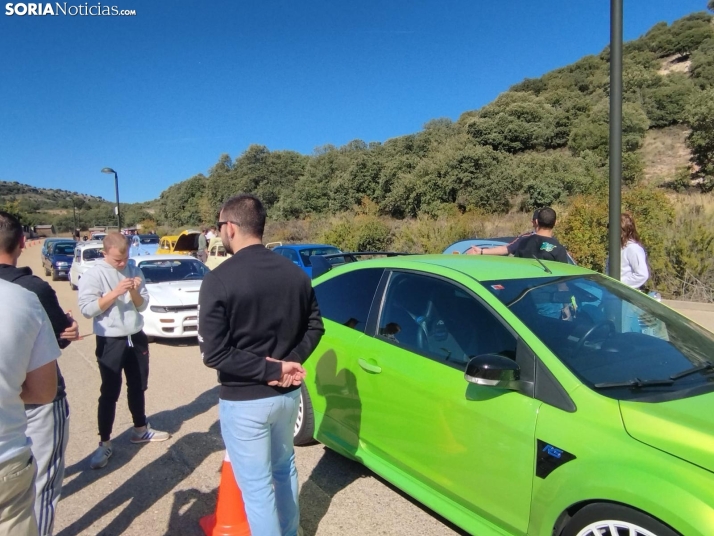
124	451
145	488
184	341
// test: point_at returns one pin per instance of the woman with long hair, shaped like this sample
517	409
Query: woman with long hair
634	271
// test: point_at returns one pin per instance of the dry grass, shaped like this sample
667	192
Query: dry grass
674	64
663	152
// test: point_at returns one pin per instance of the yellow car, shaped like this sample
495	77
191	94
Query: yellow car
167	244
216	253
185	243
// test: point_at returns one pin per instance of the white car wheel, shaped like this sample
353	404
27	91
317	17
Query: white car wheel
614	528
305	422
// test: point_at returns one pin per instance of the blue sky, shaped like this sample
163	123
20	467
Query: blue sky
161	95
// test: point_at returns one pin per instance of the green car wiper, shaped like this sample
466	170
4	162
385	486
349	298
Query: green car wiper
635	383
707	365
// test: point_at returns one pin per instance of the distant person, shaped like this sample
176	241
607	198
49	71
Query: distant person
258	322
28	375
634	269
211	234
47	424
201	253
113	293
540	244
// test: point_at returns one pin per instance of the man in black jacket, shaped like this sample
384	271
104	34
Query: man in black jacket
258	322
47	424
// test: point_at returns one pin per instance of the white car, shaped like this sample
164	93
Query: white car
86	254
173	282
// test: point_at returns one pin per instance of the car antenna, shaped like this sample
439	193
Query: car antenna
547	270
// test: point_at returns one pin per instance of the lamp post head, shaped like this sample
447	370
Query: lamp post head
109	170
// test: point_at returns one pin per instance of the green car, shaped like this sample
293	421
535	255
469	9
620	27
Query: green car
516	397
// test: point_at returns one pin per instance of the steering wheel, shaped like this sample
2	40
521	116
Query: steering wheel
191	276
593	329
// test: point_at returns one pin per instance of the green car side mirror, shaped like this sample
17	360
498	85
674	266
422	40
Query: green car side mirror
493	370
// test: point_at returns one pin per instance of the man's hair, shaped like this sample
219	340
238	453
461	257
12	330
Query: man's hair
546	218
246	211
115	240
10	232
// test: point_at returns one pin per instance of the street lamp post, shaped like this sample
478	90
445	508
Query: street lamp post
116	189
615	136
75	231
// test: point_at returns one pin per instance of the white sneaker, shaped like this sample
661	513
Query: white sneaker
148	435
101	456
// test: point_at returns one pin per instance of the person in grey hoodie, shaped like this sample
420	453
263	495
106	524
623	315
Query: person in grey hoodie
113	293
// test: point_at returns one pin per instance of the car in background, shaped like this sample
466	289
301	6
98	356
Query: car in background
173	282
462	246
143	244
516	397
58	259
216	253
86	254
187	243
47	242
167	244
98	236
300	253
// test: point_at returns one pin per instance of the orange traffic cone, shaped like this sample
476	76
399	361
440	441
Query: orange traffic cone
230	518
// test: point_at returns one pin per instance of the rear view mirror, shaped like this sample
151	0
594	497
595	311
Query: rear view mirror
493	370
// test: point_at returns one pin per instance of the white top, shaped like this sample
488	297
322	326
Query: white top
633	265
27	342
210	235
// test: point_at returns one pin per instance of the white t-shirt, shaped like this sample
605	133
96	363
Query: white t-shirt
27	342
210	235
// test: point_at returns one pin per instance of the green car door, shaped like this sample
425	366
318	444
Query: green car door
421	420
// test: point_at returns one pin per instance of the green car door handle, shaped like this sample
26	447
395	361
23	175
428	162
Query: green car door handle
369	366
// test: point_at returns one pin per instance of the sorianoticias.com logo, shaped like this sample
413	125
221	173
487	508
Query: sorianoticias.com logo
61	8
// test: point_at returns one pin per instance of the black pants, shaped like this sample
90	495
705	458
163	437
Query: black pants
115	355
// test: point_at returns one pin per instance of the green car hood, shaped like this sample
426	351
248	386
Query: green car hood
683	428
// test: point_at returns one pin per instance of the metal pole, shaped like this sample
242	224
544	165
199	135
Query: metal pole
116	188
615	136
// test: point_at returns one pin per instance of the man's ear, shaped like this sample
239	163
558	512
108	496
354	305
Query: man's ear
22	242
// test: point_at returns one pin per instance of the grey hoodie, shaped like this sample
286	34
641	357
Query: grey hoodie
122	318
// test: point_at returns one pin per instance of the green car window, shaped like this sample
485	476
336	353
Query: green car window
440	320
617	340
347	298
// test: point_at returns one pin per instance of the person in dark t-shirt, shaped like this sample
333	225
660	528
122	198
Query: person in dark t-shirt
541	244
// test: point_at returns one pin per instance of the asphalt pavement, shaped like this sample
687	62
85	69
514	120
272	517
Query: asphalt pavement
165	488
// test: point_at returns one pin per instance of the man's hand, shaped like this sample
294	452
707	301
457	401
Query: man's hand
137	283
72	332
473	250
124	286
292	373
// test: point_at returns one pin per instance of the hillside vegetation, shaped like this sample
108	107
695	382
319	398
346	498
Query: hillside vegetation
542	142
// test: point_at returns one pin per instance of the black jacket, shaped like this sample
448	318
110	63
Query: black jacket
256	304
48	299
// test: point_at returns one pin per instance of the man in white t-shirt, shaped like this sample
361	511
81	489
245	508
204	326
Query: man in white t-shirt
28	375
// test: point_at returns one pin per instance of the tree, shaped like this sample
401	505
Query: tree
700	116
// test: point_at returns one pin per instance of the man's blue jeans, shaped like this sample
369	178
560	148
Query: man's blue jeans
259	439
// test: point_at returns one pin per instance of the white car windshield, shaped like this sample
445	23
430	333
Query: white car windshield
92	254
160	271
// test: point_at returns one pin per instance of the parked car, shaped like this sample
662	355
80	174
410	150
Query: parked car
300	253
185	243
173	283
58	259
216	253
516	397
463	245
143	244
86	254
47	242
167	244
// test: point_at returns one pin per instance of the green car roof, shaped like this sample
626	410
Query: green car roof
480	267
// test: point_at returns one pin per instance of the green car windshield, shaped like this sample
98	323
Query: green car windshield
617	340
